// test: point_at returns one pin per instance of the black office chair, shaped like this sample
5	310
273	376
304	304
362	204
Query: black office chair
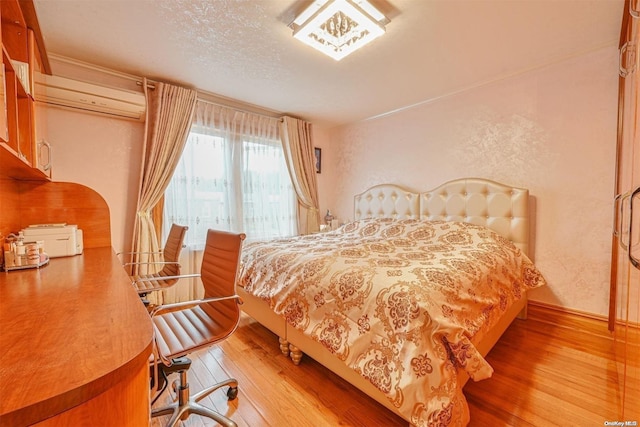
184	327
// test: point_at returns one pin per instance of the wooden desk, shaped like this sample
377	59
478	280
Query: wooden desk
74	345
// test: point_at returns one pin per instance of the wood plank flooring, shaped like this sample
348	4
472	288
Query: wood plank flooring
553	369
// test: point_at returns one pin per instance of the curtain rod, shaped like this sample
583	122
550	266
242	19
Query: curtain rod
273	115
243	109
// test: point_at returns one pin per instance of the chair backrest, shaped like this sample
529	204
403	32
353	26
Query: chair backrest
219	273
172	248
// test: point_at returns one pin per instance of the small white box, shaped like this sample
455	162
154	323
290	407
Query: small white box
59	239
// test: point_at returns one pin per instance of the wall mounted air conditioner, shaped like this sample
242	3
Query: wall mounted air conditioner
63	92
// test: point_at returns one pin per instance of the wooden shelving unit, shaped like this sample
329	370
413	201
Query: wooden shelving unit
23	54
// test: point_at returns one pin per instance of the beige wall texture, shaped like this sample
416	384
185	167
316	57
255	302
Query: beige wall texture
551	130
101	153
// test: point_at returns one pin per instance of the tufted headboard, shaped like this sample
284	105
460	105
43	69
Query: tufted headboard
502	208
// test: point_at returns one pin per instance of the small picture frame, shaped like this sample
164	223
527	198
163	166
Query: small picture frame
318	153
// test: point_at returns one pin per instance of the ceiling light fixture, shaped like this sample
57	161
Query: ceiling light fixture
339	27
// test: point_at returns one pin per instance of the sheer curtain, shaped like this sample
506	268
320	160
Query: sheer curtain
232	176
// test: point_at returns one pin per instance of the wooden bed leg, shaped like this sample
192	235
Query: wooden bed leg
296	354
523	313
284	346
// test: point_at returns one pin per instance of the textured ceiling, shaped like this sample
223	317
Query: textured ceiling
243	49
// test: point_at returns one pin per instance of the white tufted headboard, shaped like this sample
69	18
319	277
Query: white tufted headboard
502	208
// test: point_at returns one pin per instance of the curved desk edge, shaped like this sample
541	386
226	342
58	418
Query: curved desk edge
76	340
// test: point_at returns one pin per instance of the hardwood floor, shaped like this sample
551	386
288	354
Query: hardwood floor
553	369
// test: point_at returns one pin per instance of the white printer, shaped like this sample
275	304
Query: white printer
59	239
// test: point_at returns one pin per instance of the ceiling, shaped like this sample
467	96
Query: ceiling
243	49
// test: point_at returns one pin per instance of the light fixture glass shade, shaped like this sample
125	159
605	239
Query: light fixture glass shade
338	27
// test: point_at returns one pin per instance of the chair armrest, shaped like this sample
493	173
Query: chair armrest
138	253
192	303
151	263
131	254
150	279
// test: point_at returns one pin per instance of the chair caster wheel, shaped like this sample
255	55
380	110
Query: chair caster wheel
232	393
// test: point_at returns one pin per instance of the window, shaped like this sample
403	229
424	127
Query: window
233	178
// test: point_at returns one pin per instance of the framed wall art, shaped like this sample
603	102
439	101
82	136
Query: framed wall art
318	153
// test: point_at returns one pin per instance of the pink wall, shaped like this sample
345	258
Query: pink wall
321	137
98	151
101	153
551	130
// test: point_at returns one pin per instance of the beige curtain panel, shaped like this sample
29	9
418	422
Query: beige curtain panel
299	154
168	121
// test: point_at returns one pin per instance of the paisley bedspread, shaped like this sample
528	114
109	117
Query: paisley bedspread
398	301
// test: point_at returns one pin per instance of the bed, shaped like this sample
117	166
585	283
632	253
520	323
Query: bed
405	301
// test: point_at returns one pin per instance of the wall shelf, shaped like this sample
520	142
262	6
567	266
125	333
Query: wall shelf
22	55
16	167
